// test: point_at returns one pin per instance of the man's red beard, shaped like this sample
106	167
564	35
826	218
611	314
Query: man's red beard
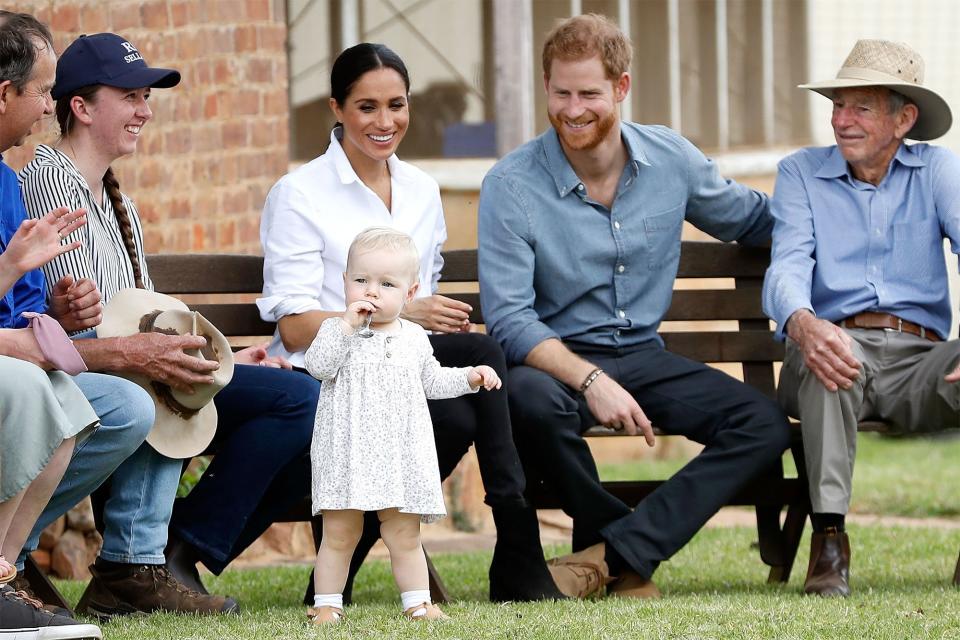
584	141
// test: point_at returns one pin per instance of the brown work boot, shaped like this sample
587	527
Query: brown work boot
140	589
581	574
629	584
828	573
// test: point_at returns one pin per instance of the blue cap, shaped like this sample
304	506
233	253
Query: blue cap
106	58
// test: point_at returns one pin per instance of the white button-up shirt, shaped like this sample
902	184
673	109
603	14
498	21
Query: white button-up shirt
311	216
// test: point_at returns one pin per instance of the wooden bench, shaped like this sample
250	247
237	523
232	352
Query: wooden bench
734	300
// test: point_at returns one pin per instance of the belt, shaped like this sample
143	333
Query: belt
874	320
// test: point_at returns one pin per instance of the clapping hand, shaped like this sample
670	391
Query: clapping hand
37	242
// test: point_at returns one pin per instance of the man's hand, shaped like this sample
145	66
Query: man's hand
76	303
161	357
257	355
37	242
439	313
825	348
614	407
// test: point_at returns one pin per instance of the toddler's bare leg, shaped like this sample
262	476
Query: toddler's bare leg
341	532
401	534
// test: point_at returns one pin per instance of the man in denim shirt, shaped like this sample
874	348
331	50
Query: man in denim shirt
858	281
579	246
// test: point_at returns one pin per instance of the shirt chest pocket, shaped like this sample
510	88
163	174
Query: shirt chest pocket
914	253
663	237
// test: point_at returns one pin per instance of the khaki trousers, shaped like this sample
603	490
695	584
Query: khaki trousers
900	382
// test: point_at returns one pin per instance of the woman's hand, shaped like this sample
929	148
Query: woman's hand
439	313
257	355
37	242
483	375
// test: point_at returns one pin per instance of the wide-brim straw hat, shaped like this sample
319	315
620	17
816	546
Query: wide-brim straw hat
895	65
185	423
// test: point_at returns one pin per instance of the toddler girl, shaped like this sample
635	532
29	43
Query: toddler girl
373	444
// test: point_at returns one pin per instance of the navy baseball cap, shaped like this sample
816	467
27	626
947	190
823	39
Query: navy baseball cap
106	58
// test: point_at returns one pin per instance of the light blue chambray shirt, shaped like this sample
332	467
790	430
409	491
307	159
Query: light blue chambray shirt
556	264
842	246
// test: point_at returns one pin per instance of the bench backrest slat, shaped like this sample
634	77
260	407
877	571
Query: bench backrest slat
752	345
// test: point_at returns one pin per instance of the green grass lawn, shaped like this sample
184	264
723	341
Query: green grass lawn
913	477
714	588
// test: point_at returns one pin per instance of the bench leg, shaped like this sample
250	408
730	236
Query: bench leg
438	590
792	532
41	585
769	536
956	574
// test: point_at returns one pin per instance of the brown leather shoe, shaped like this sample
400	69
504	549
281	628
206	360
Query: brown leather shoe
582	574
828	573
140	589
629	584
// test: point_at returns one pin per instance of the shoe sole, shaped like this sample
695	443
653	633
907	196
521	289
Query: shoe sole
65	632
106	614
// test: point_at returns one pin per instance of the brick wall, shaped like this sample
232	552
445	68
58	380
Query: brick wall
219	140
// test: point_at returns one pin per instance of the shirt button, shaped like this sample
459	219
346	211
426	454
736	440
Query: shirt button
879	233
616	224
579	187
622	313
621	269
617	332
388	354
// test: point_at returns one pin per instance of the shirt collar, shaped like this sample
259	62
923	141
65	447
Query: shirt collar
48	155
565	178
345	170
835	166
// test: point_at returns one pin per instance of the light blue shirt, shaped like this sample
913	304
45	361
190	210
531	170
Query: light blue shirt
556	264
842	246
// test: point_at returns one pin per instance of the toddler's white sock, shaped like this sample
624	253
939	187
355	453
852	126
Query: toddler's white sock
414	598
334	600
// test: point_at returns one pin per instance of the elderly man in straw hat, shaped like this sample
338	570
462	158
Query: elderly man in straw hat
858	283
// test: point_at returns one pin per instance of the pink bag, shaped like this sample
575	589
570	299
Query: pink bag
56	346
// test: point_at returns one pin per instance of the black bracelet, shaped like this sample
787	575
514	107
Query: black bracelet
593	375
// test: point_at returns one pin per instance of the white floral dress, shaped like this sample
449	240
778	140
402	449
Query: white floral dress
373	440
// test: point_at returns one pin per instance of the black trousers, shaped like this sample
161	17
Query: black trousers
744	433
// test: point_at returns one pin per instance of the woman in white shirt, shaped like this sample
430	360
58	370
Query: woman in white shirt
309	220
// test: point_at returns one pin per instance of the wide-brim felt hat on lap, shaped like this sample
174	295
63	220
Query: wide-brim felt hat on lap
897	66
185	422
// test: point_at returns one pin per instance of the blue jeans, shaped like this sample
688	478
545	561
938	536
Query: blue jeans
126	415
262	464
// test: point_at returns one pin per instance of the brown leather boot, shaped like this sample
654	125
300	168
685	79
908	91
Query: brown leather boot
828	573
138	589
582	574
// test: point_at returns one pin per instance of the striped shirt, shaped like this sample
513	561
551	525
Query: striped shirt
52	180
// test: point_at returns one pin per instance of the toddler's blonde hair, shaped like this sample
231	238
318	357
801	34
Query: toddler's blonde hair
385	238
